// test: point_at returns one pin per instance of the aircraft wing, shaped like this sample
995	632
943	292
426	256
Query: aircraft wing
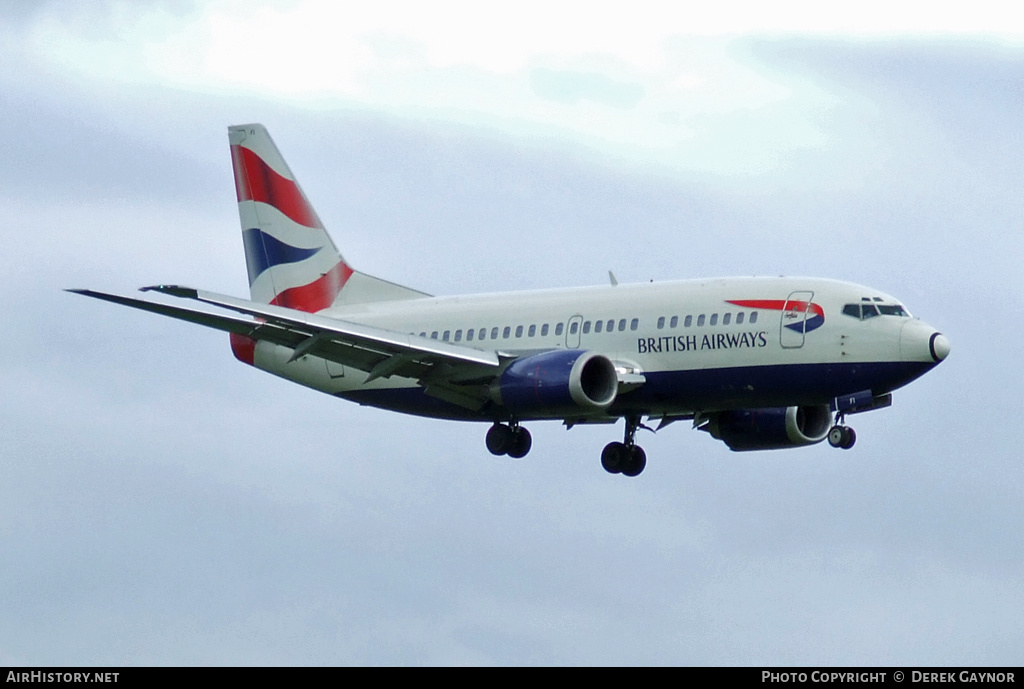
446	369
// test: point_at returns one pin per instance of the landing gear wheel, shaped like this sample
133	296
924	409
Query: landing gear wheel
635	462
514	441
521	443
499	439
842	437
626	458
613	457
835	436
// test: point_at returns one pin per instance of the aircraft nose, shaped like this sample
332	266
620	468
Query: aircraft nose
939	345
921	342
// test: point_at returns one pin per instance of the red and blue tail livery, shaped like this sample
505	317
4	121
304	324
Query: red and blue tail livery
762	372
256	180
290	258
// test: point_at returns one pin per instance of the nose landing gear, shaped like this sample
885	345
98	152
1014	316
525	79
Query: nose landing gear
841	436
626	458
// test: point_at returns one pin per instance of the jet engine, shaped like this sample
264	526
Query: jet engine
561	380
770	429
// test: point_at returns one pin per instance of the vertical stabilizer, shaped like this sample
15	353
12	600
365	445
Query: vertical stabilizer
291	259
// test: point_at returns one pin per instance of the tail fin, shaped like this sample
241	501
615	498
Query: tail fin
291	259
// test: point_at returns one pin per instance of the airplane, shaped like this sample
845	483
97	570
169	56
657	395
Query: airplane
759	363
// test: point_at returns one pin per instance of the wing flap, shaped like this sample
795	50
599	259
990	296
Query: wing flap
377	351
356	333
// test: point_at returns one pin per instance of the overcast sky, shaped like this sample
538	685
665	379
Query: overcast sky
164	504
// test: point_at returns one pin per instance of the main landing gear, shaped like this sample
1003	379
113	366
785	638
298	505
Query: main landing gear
626	458
512	440
841	436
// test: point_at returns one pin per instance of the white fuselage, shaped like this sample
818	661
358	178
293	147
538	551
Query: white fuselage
699	345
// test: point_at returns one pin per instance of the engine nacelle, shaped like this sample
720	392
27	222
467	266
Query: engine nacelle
562	380
771	429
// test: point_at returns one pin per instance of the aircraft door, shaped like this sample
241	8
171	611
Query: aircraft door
794	319
572	332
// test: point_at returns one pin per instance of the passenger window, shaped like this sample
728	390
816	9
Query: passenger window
661	322
700	320
532	331
739	318
634	324
544	330
519	331
586	327
447	335
494	333
423	334
458	336
433	335
598	326
622	324
714	319
688	322
559	327
674	322
573	327
610	325
726	317
753	317
483	334
469	335
506	332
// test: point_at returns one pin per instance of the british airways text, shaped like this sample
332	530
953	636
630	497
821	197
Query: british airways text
693	343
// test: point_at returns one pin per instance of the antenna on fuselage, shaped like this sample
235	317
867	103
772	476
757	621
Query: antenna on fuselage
614	280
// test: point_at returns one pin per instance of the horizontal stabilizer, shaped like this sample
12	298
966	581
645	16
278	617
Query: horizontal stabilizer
231	324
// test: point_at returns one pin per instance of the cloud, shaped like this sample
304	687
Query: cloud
572	87
166	505
653	87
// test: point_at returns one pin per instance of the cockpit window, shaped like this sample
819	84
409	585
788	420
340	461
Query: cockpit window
893	310
864	311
